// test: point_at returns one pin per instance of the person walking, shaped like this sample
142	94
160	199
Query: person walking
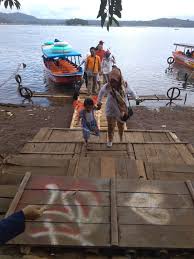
117	105
93	68
107	63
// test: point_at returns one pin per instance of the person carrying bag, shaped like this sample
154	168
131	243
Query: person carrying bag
118	109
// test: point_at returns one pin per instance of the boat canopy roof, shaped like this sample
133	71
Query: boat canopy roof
49	53
184	45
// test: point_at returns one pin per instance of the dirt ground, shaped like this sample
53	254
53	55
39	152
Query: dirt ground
19	124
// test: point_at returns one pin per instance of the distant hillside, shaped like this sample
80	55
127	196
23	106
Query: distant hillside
163	22
21	18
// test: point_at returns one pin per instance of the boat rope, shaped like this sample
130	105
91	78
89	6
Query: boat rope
22	65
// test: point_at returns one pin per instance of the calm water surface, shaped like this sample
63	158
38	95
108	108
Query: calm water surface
140	52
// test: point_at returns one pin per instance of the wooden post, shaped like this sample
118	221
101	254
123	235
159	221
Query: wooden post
18	195
190	188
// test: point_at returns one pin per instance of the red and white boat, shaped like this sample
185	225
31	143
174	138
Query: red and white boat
62	63
183	55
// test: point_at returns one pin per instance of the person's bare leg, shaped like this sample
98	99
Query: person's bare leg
120	126
90	84
111	127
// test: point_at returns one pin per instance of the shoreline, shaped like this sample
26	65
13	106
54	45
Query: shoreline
20	124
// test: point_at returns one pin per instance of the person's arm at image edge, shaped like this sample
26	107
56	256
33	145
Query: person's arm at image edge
14	225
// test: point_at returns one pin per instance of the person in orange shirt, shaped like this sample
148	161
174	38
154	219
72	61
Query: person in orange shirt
93	68
100	51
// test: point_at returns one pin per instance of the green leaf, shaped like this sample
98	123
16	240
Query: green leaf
118	13
108	25
115	20
102	8
11	3
103	19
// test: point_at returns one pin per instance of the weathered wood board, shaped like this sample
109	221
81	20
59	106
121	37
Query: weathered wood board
91	167
77	212
8	189
155	214
174	172
159	214
55	135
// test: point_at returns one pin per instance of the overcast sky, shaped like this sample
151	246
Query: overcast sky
133	9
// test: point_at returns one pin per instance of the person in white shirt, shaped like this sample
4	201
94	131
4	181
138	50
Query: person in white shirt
84	63
107	63
117	104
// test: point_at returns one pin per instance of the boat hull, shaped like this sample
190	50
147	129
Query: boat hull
183	60
62	79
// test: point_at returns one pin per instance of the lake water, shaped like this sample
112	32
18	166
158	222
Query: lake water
140	52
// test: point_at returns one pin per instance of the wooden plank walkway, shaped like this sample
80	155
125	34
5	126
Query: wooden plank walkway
129	192
130	213
60	135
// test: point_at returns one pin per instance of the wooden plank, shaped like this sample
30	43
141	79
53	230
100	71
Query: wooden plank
128	130
190	188
10	179
121	168
147	137
114	222
72	167
18	195
4	204
140	153
132	169
186	155
103	147
149	171
173	168
160	187
131	151
21	170
137	137
174	137
67	184
95	167
59	234
43	197
151	153
141	169
156	236
23	160
154	200
156	137
74	214
41	135
83	167
49	153
108	169
8	191
173	176
173	156
155	216
190	148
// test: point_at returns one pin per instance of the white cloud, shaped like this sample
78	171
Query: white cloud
133	9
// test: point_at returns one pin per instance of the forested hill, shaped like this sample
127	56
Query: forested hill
21	18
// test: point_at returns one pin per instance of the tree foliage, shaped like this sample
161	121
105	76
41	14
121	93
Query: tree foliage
109	10
11	3
76	22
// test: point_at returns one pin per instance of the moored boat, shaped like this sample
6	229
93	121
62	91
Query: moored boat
61	63
183	55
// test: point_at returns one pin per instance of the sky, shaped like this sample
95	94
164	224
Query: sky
88	9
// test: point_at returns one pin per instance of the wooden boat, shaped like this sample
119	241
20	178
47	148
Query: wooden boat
183	55
61	63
